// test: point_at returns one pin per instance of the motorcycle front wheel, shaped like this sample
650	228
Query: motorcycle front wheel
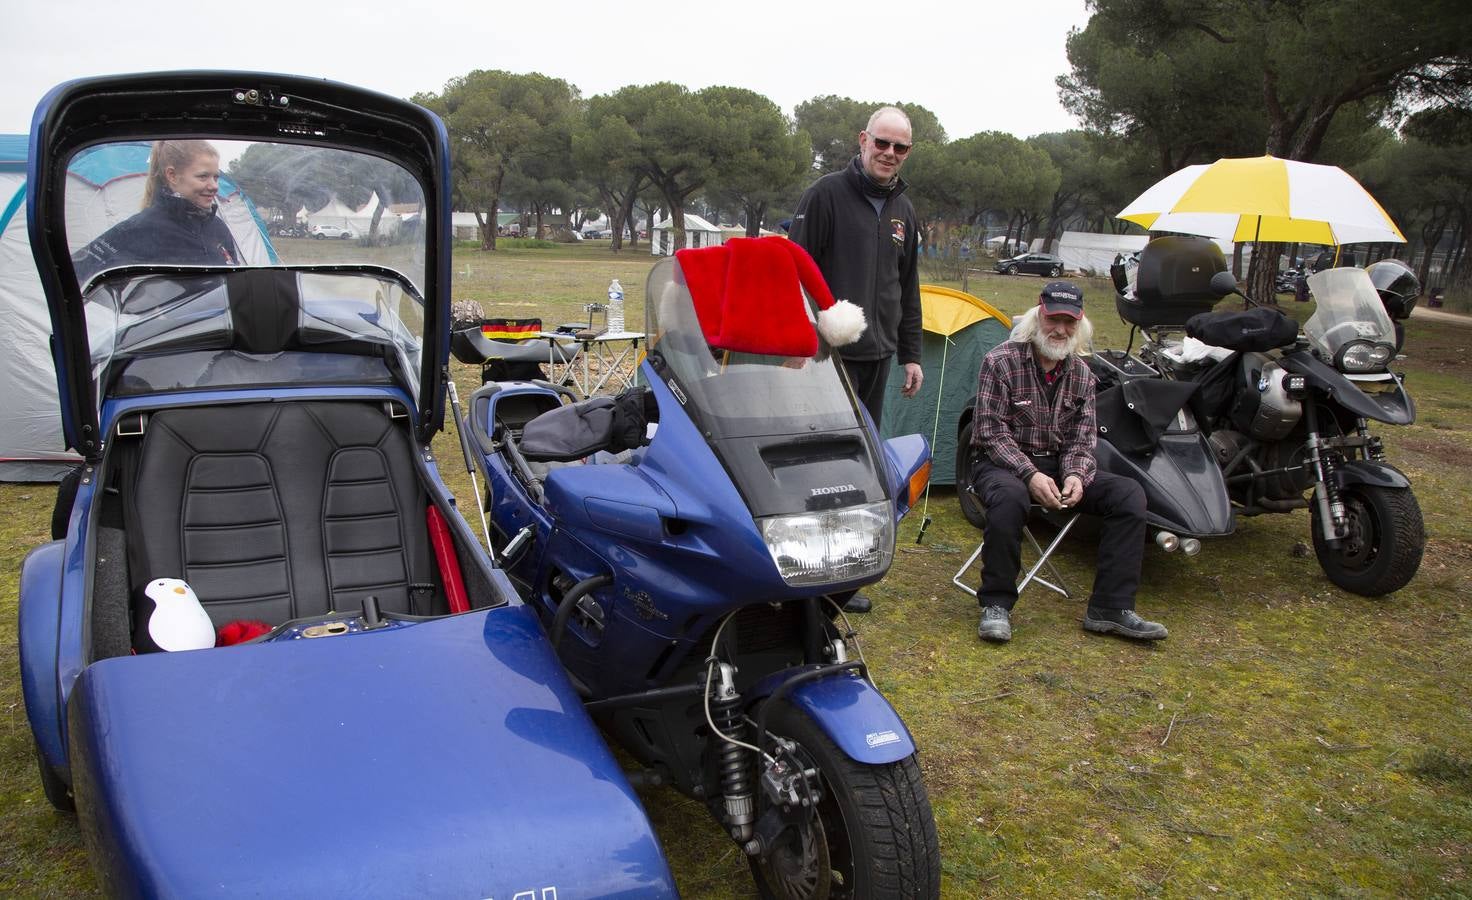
872	837
1382	548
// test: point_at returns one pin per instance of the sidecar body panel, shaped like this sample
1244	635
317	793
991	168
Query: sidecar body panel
444	758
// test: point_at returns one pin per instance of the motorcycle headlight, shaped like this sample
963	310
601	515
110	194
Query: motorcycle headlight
832	545
1363	356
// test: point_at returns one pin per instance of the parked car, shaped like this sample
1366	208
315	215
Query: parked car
1032	264
592	234
341	232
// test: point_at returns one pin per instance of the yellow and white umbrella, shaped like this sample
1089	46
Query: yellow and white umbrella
1263	198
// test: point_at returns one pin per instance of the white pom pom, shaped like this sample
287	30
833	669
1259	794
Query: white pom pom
841	324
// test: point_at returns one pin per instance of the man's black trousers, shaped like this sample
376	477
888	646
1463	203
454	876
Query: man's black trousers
1120	502
869	378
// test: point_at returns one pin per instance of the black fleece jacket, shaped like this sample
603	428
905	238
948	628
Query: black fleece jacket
870	260
172	231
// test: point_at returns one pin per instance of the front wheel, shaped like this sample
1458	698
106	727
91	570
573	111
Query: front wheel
1011	270
872	837
1382	547
1054	272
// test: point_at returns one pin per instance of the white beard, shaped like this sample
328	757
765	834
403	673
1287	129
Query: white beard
1051	351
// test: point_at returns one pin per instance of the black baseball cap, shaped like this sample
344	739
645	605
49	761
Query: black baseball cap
1062	298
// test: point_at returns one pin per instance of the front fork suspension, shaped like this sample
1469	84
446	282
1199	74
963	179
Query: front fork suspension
734	760
1326	495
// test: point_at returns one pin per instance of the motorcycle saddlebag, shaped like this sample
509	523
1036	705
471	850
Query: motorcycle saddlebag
1254	330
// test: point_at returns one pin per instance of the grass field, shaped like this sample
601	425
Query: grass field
1288	739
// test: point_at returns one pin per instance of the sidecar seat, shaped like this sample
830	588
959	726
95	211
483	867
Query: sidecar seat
275	511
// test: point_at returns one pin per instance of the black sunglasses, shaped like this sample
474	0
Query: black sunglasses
882	144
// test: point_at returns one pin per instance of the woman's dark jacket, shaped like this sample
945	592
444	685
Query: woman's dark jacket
172	231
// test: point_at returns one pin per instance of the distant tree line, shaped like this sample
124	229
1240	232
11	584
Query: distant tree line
1383	90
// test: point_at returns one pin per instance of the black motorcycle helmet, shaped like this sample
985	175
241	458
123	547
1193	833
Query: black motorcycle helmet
1397	285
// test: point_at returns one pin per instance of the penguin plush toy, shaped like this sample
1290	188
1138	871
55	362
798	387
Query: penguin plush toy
170	617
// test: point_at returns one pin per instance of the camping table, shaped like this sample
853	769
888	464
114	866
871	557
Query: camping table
614	351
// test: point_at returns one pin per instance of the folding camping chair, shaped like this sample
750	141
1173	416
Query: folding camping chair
1045	557
511	350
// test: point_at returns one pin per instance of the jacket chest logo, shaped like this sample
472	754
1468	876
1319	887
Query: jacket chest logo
897	230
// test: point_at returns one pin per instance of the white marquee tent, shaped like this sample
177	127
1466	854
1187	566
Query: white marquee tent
698	233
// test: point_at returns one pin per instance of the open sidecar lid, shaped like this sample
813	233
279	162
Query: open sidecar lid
79	126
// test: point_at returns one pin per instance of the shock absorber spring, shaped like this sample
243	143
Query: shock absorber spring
733	759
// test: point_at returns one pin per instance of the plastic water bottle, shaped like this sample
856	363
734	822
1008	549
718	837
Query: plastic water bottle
615	306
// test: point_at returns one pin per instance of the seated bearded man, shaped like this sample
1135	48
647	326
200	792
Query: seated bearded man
1035	427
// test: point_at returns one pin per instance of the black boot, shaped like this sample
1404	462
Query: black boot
858	603
1123	622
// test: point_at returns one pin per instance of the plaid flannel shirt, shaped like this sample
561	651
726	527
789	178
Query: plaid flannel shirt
1013	422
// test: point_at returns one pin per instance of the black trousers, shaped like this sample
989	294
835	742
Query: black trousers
869	377
1120	502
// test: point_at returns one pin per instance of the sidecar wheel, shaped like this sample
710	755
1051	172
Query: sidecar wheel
873	836
1383	548
966	452
56	791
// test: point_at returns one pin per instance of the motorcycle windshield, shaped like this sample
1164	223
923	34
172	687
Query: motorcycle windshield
1349	310
739	395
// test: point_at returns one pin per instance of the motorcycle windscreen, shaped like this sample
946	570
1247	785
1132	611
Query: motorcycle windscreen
445	758
1348	312
787	428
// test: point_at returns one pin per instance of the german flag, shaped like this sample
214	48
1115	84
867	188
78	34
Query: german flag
510	329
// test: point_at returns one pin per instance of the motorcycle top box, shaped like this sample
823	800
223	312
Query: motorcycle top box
1172	282
263	654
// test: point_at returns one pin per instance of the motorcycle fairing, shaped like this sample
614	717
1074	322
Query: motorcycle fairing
1393	407
850	710
450	757
1185	492
903	457
228	106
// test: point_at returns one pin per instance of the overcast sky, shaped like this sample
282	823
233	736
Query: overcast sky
979	67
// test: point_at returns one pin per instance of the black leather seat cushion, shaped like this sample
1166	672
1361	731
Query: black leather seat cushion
275	511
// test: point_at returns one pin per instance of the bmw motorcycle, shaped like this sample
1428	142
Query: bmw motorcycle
688	547
1287	414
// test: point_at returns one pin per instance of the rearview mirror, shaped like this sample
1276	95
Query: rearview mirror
1222	284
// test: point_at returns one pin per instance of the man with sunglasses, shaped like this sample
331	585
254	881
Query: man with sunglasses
859	227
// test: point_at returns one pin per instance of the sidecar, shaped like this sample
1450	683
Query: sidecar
339	694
